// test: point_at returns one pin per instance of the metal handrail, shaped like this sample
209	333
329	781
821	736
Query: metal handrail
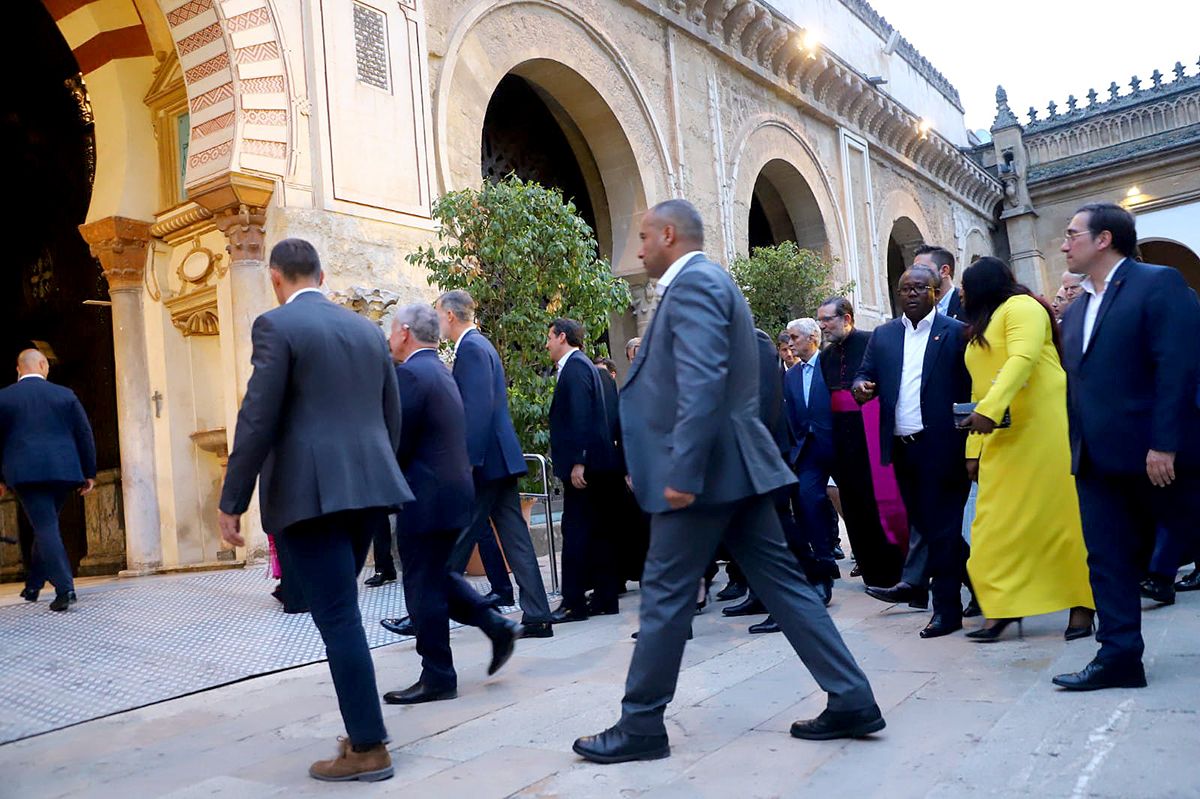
544	467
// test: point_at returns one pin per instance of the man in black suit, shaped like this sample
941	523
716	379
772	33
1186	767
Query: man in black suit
915	365
46	451
433	456
941	261
583	450
321	422
1135	425
497	463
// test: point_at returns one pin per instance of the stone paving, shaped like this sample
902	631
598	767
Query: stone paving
964	720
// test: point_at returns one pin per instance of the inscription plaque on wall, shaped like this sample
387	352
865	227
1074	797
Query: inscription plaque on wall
370	47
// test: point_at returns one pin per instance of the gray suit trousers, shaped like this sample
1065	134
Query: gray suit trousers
681	545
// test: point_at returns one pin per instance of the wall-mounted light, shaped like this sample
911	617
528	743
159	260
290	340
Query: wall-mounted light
1133	191
877	80
810	42
923	127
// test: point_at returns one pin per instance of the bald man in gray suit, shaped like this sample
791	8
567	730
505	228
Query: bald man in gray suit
704	466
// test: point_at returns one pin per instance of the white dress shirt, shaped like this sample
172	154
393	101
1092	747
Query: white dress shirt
563	361
305	290
660	288
943	305
908	404
22	377
461	336
1093	307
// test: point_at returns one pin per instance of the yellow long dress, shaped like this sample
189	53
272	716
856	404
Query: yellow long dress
1027	550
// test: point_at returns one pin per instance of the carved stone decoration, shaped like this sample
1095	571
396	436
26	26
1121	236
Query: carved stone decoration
1004	115
104	512
195	313
120	245
374	304
245	228
198	264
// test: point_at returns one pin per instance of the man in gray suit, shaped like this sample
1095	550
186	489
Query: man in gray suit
702	463
321	422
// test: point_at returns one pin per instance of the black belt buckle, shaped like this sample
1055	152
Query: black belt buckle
911	438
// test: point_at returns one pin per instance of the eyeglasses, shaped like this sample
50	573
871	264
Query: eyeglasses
913	291
1070	236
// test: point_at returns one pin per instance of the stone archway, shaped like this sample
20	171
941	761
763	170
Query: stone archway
783	208
975	246
903	240
1167	252
902	227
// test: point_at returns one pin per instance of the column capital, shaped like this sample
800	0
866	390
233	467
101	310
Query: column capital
119	243
238	203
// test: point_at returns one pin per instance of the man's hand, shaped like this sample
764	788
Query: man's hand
973	469
978	423
678	499
577	476
863	391
84	489
231	528
1160	467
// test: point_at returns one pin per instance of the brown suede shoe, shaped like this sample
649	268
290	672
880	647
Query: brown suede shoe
371	766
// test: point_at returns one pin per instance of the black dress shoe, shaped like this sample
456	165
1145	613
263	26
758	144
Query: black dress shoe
400	626
972	610
71	596
750	606
504	637
1160	589
941	625
635	634
61	602
615	746
567	615
840	724
825	590
1190	582
767	625
838	554
494	600
901	592
377	579
856	571
734	590
537	629
417	693
30	594
602	610
1097	675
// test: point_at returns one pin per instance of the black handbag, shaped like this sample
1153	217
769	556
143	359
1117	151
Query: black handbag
963	411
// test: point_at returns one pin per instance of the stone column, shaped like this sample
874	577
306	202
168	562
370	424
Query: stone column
120	246
1019	216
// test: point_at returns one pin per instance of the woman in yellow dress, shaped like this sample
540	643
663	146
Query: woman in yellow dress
1027	550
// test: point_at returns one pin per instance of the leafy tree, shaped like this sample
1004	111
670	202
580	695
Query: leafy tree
526	257
783	283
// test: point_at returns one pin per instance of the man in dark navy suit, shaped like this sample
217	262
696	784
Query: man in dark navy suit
497	461
321	422
585	457
433	457
914	364
46	451
941	261
1129	349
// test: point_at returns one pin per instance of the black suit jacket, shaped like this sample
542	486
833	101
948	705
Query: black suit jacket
955	307
44	435
320	419
433	448
492	442
580	426
944	381
770	393
810	421
1134	389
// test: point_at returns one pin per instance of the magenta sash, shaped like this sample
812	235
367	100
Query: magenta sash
892	515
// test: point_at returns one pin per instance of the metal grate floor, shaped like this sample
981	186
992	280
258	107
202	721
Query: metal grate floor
132	643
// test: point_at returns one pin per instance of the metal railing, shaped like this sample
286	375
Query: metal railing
545	497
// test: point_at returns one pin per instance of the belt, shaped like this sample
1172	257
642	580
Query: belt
911	438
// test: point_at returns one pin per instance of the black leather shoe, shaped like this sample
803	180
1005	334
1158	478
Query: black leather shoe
377	579
567	615
504	637
61	602
400	626
767	625
972	610
856	571
1190	582
732	591
417	693
840	724
824	590
941	625
615	746
1097	675
901	592
750	606
635	634
602	610
537	629
838	554
30	594
1160	589
497	601
71	596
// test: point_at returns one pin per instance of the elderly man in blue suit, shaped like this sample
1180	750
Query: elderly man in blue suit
704	465
1129	350
46	451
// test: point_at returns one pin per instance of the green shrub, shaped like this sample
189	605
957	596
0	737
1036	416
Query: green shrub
783	283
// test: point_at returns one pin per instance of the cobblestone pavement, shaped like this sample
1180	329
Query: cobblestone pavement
964	719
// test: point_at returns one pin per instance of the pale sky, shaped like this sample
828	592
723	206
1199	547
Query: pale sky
1043	50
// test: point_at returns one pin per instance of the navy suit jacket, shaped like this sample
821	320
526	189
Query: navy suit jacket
770	393
944	381
811	421
433	448
954	308
44	435
492	443
1135	388
580	430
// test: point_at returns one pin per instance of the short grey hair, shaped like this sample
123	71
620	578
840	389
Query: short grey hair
460	303
683	216
421	320
807	327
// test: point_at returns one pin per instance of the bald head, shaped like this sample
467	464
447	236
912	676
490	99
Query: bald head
669	230
32	362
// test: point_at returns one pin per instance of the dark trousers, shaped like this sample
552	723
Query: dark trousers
813	510
681	544
381	546
434	595
497	502
935	492
1172	550
326	554
1121	515
878	559
42	503
634	529
589	557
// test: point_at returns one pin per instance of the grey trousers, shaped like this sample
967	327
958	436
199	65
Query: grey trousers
681	545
